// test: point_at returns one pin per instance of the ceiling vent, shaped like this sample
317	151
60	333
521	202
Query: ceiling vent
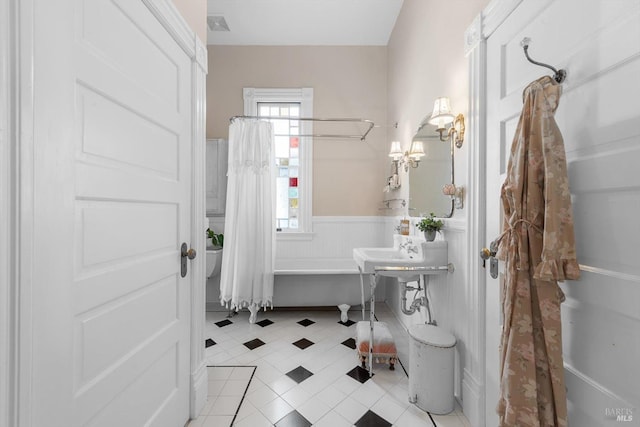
217	23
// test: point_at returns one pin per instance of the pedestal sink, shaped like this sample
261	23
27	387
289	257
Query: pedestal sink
408	258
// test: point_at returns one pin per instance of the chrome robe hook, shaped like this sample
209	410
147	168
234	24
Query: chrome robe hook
559	75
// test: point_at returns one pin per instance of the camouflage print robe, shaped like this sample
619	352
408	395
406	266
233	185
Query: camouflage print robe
538	248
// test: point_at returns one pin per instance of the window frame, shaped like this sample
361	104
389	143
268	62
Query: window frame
304	96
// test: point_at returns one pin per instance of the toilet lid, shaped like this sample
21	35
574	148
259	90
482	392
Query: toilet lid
432	335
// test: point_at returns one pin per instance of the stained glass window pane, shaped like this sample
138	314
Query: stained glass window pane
287	151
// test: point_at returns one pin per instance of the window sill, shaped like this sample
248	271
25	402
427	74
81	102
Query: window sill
294	236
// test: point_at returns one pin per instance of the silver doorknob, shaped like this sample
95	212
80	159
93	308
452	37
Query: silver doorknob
184	255
490	254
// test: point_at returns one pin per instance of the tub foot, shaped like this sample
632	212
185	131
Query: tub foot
253	309
344	308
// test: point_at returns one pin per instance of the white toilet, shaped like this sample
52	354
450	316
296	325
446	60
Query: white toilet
214	261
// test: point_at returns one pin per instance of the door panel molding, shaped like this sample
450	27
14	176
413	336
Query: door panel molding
17	166
600	68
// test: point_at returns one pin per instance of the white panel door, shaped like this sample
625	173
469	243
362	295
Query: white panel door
598	42
508	73
112	205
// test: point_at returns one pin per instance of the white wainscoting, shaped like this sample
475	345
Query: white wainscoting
448	295
318	270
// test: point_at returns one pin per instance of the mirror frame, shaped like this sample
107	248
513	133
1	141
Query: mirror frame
423	134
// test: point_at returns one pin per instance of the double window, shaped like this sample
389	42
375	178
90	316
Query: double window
293	152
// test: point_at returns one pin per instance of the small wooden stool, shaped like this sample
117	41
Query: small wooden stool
384	347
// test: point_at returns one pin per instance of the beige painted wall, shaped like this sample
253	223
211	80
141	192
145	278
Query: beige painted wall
195	13
426	60
347	82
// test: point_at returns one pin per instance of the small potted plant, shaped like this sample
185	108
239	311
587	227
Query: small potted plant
430	226
217	240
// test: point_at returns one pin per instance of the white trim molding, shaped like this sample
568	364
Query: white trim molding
252	96
475	48
199	384
16	209
8	141
473	401
167	14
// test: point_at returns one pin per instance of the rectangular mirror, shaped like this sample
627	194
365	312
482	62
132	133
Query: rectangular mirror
434	171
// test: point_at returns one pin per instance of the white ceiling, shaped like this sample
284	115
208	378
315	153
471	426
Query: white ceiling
304	22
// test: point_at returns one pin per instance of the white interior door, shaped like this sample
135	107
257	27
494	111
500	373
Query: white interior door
598	42
110	315
508	73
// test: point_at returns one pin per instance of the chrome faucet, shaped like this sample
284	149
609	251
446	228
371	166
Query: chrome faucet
412	249
409	246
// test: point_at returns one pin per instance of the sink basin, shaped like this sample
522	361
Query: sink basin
408	257
384	254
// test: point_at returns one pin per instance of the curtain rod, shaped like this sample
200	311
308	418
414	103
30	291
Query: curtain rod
315	119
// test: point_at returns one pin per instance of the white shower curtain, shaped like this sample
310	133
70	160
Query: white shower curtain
249	230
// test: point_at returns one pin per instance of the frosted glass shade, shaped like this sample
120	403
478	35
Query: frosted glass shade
441	114
396	150
416	151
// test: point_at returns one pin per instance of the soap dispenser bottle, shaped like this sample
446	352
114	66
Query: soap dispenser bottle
404	227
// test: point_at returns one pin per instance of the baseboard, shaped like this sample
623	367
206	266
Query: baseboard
199	390
473	404
215	306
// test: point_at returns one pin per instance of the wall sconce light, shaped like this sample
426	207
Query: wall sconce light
408	158
442	116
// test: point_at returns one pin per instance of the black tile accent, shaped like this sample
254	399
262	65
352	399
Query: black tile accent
351	343
265	322
224	322
359	374
293	419
299	374
303	343
348	323
253	344
306	322
371	419
209	342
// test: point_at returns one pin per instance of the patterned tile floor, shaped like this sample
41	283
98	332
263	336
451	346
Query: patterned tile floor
299	368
